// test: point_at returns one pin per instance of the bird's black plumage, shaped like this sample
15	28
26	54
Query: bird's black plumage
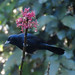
33	43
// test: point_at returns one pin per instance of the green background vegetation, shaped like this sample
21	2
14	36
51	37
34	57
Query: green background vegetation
56	20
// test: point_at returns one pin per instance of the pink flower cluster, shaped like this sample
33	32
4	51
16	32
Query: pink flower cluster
26	21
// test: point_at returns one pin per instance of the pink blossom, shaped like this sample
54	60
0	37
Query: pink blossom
19	20
33	14
26	10
26	21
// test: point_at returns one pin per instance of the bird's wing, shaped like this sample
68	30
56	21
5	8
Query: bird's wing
31	39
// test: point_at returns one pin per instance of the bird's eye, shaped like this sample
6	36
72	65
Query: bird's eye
9	38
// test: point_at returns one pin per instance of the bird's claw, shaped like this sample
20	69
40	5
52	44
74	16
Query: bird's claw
25	45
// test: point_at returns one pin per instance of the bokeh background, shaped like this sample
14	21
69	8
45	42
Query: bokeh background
56	20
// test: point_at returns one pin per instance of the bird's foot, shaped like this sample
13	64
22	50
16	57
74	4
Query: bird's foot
25	45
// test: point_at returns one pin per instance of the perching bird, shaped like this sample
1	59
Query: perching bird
33	43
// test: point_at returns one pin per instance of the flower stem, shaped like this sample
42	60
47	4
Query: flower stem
24	49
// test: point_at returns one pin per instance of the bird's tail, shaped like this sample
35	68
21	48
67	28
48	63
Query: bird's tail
53	49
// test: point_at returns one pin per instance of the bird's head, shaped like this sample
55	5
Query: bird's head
11	39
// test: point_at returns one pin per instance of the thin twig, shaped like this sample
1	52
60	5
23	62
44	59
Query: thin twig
48	68
24	49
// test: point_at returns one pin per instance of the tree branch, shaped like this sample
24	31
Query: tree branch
24	49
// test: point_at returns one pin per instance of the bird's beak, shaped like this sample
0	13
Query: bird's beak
7	42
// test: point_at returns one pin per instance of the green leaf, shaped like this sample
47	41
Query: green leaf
4	4
56	2
42	1
14	59
60	12
3	19
52	27
37	7
69	21
73	43
24	2
26	68
54	66
9	8
38	54
3	38
68	54
61	34
69	63
43	20
67	72
30	69
70	33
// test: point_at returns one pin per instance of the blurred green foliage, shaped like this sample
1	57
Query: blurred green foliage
56	20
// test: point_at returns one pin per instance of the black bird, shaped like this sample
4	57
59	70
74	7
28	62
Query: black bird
33	43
